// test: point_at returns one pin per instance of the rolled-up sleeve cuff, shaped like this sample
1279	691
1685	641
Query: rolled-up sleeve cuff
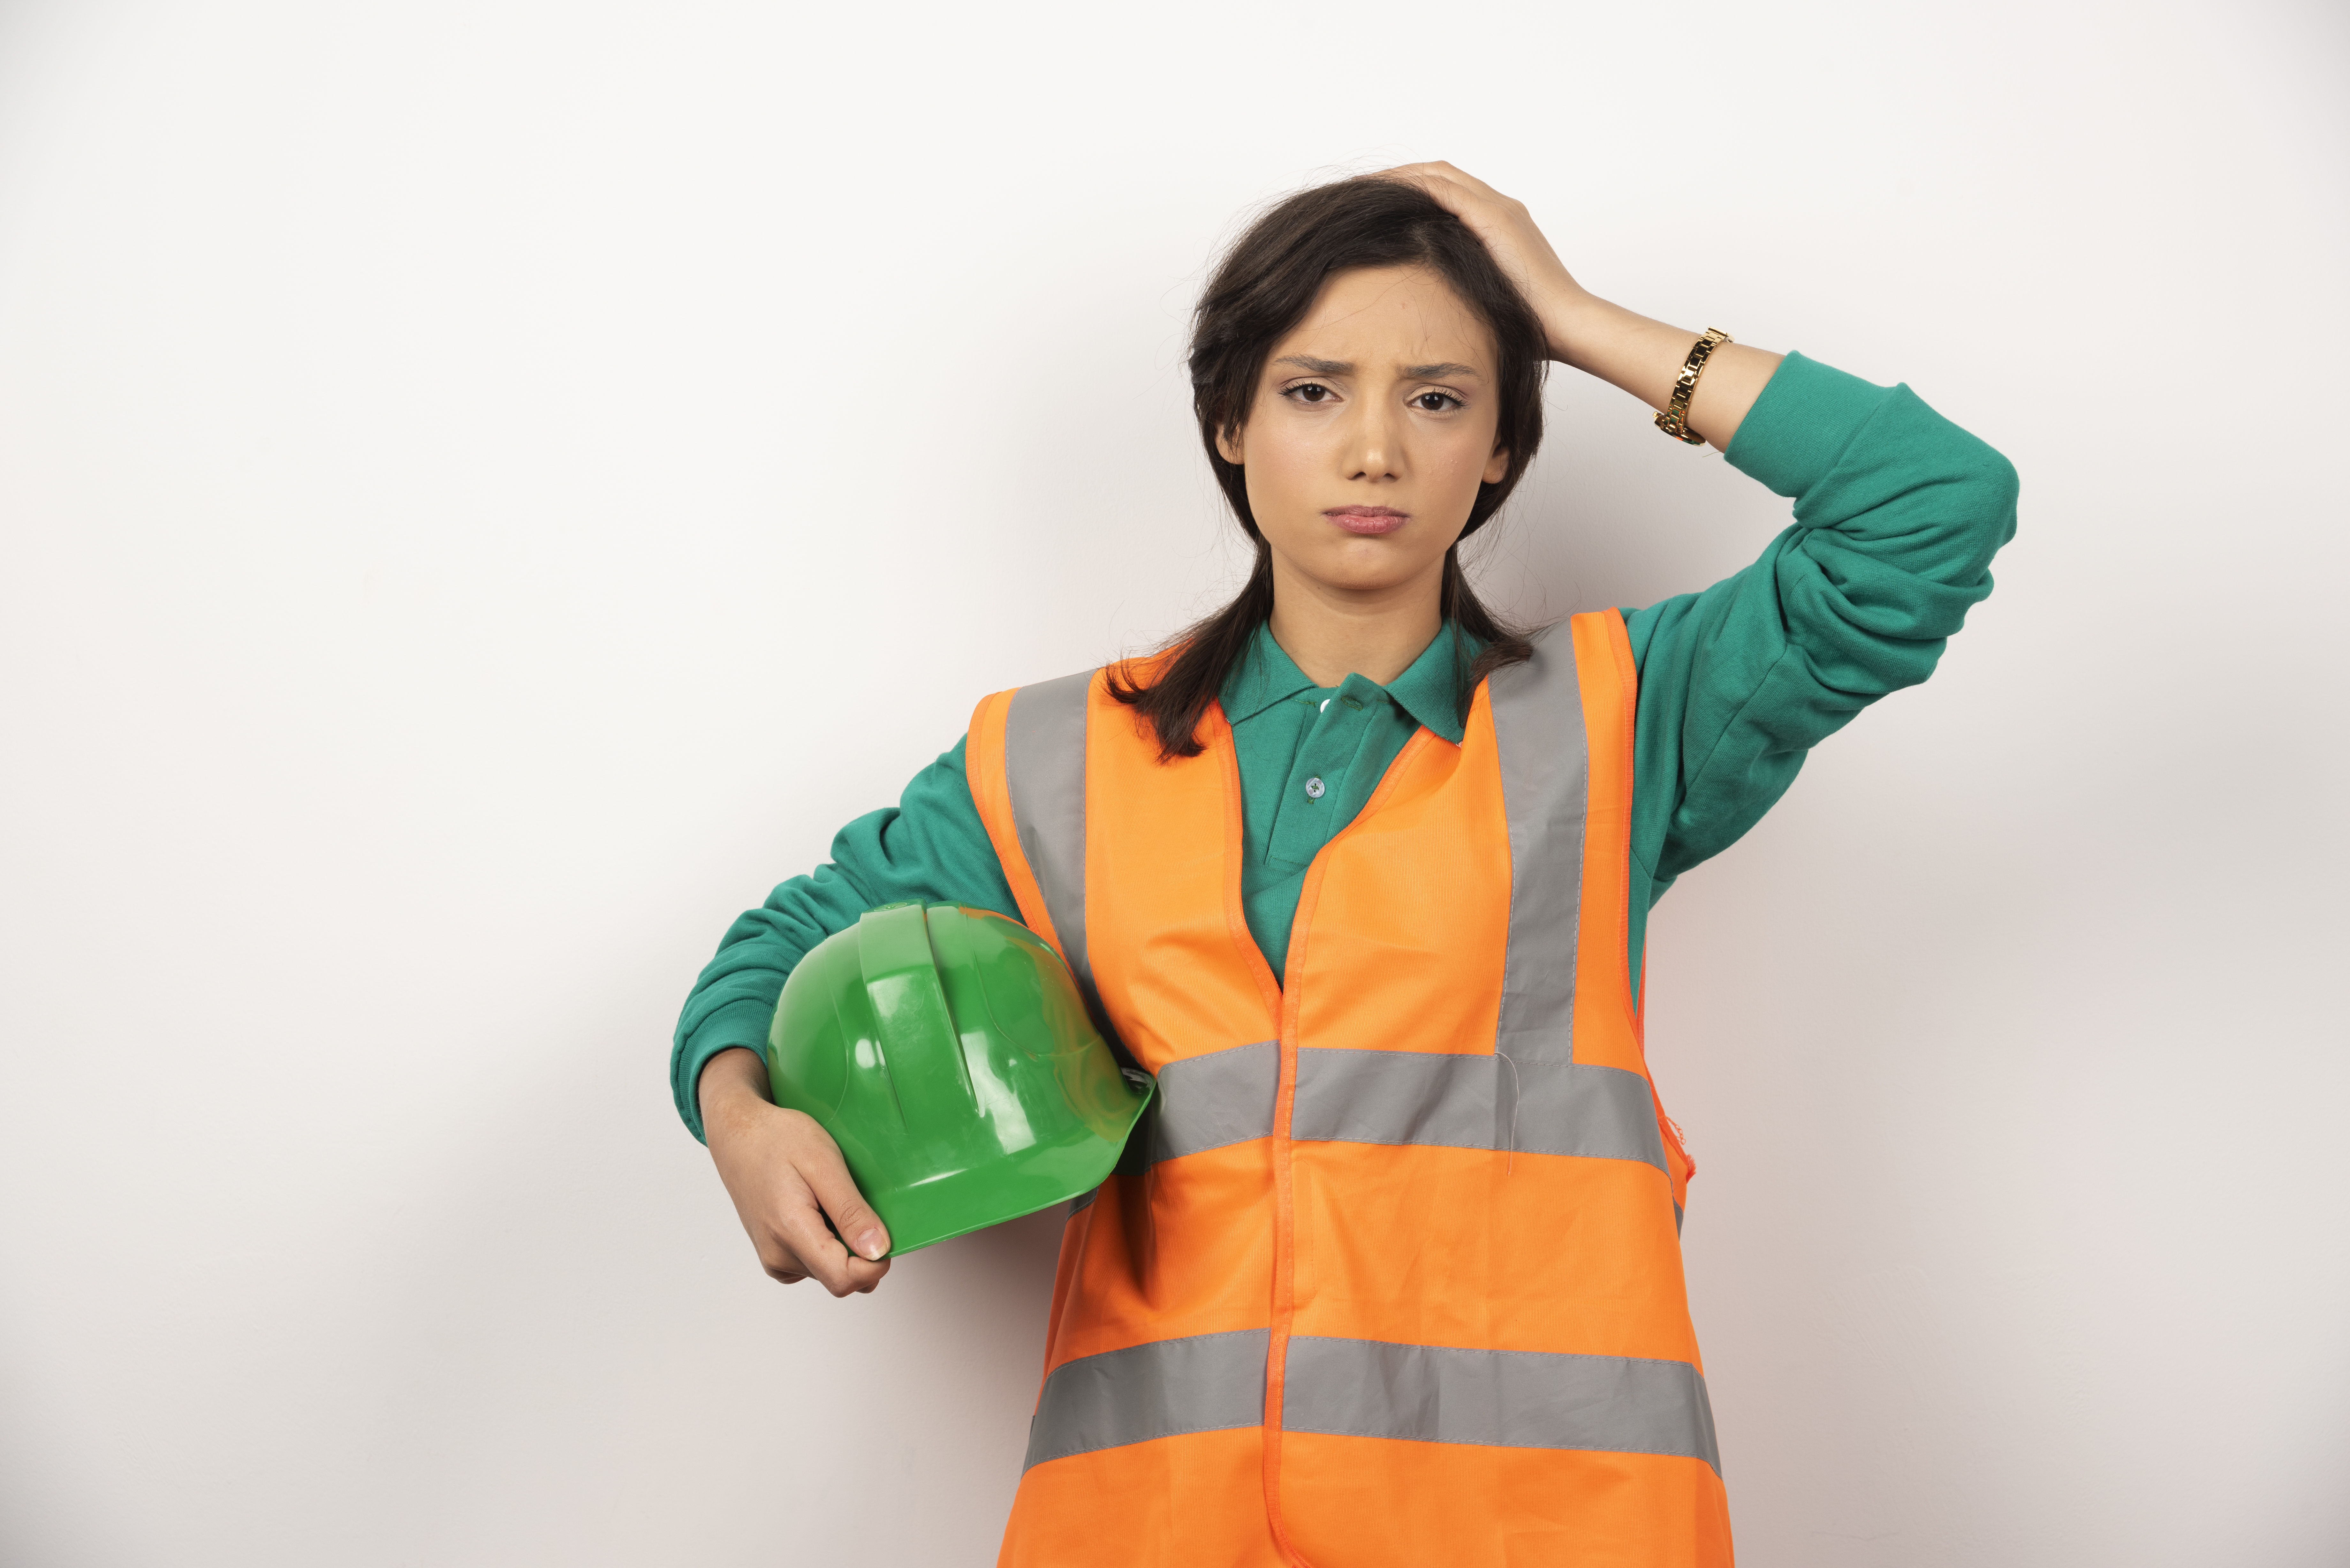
1808	414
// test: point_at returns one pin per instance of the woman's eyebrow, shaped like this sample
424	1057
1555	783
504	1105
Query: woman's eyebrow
1314	367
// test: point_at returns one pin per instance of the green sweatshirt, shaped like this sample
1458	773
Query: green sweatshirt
1897	513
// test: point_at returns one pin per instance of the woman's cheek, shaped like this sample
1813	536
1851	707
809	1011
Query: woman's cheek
1454	465
1289	464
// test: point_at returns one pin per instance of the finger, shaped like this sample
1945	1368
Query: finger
1463	180
1424	175
861	1276
1450	194
827	1175
800	1232
1439	175
781	1264
820	1253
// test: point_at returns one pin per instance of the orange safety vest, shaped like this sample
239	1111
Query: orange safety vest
1395	1275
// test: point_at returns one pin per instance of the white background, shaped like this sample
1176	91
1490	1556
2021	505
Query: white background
488	488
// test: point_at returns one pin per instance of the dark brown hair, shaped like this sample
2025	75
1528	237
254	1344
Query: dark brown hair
1263	289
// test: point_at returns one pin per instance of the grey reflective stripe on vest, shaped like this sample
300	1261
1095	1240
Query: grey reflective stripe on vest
1507	1398
1475	1102
1044	773
1218	1098
1423	1097
1545	758
1207	1382
1205	1102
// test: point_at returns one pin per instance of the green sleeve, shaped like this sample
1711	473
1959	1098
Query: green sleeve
930	845
1898	514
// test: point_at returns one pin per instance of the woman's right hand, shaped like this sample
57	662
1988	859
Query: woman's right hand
785	1175
1516	242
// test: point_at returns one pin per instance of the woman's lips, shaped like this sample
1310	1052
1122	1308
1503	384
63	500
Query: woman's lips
1367	519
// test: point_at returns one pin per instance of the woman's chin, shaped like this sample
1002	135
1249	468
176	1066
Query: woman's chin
1359	564
1371	579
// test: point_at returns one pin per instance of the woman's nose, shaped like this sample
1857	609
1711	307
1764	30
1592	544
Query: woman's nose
1372	444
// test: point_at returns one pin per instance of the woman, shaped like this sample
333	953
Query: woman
1361	873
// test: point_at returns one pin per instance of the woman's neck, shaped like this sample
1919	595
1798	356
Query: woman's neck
1331	633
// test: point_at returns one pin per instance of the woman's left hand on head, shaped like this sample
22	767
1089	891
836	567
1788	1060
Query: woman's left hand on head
1509	232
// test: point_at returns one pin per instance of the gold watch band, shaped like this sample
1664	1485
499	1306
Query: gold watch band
1674	421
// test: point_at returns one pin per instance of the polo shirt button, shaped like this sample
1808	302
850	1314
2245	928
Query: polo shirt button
1314	789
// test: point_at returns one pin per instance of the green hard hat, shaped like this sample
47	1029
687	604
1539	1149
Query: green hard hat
947	1053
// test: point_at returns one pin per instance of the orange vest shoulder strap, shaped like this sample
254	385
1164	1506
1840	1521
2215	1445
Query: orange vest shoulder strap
1604	675
1603	669
985	767
1028	758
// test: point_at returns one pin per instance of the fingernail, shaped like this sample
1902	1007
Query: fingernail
873	1245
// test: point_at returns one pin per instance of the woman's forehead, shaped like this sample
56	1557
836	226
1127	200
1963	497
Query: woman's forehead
1400	317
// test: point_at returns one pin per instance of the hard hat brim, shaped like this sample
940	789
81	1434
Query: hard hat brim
960	1202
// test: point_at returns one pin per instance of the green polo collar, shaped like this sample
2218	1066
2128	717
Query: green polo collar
1265	675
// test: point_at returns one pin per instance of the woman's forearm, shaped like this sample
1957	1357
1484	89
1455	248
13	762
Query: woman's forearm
1644	358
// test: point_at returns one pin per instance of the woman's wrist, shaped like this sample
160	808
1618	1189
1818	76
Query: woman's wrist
1644	358
732	1082
1571	315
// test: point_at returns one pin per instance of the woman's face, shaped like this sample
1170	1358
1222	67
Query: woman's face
1372	427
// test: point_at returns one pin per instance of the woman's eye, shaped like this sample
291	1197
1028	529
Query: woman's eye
1310	393
1435	402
